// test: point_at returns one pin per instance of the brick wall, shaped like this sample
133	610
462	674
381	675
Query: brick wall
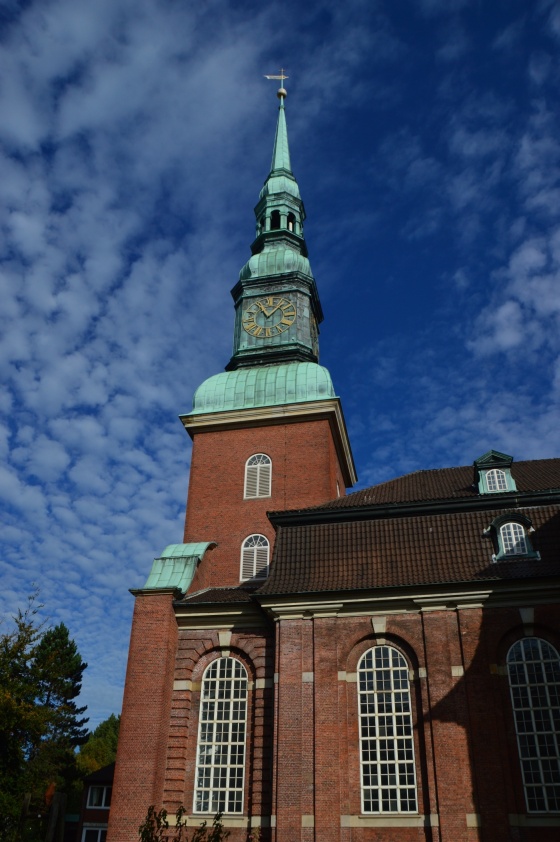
142	749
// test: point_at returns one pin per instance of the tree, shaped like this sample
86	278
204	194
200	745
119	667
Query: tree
58	670
101	746
40	725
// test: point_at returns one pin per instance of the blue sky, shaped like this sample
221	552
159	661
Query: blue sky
134	139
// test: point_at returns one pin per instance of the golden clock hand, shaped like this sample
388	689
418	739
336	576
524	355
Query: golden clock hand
273	311
263	309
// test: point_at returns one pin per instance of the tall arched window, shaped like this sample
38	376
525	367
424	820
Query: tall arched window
221	738
255	552
258	476
388	772
534	680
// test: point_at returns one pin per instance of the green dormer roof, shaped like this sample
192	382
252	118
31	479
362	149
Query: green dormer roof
265	385
176	566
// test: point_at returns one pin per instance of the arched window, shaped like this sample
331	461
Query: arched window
274	220
534	680
258	476
221	738
291	222
386	743
496	480
255	552
512	539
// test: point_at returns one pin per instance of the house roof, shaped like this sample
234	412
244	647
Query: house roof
446	483
397	552
426	528
103	776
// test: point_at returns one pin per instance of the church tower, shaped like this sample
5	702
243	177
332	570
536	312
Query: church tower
268	434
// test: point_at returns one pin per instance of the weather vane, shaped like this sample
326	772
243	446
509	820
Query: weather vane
282	92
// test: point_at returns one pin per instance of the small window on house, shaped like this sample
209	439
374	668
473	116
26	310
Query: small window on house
496	480
255	553
258	476
100	797
534	680
94	834
512	539
274	220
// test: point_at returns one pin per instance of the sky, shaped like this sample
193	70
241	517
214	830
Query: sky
134	139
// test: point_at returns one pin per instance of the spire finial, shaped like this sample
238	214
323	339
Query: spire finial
282	92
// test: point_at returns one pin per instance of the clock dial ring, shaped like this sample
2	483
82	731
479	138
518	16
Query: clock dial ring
268	316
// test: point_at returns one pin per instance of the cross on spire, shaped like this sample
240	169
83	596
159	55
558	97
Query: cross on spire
282	92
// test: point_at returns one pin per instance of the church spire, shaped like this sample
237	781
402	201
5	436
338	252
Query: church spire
277	304
281	151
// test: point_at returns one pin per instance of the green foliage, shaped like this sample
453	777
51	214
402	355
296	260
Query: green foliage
101	746
156	828
40	725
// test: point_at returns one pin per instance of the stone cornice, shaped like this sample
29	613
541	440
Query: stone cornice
215	615
411	599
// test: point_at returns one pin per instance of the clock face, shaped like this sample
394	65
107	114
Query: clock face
270	316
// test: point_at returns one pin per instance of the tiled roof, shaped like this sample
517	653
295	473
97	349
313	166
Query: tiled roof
103	775
417	550
446	483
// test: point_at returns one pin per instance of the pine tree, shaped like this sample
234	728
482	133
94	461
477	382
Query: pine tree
58	670
40	723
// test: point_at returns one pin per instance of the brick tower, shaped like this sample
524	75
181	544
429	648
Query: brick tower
268	434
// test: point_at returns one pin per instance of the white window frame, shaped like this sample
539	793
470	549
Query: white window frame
513	539
100	831
105	797
221	744
255	557
496	481
534	681
387	761
258	476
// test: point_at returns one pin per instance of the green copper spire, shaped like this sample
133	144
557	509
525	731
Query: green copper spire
277	304
281	152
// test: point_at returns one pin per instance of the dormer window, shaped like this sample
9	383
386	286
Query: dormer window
510	534
492	473
496	480
512	539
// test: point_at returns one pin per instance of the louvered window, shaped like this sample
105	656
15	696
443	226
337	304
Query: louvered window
258	476
221	738
534	680
254	557
386	741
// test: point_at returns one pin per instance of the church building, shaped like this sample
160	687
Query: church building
317	665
